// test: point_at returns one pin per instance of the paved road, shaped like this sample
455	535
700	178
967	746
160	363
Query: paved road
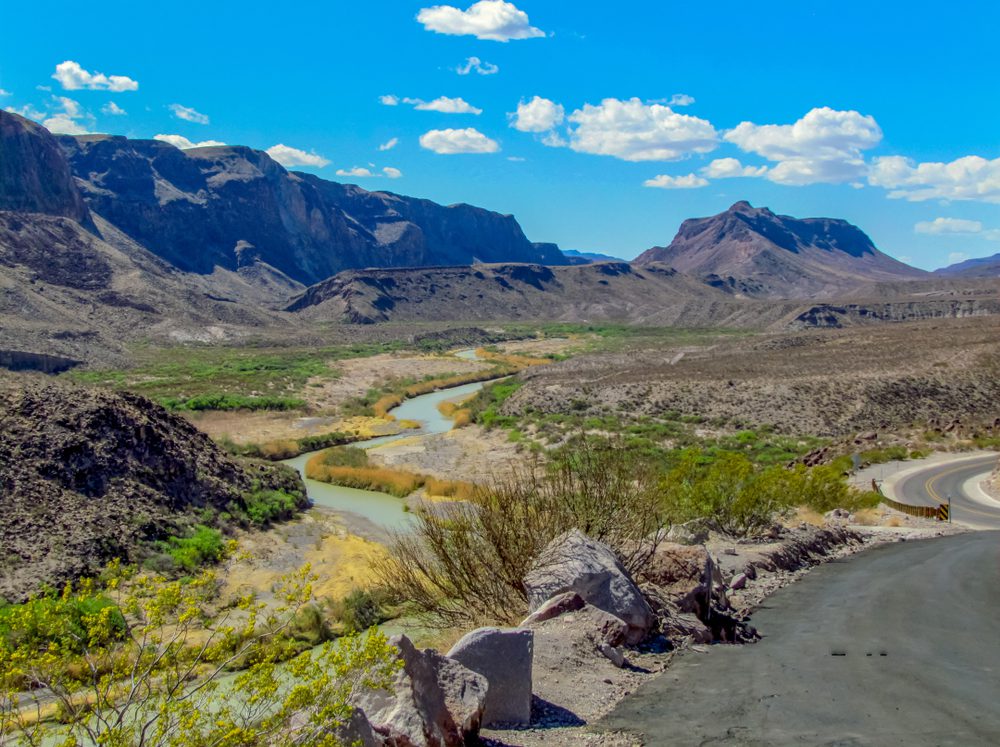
895	646
933	486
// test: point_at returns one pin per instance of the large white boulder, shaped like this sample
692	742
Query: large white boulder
504	657
575	562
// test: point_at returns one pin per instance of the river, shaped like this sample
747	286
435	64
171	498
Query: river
380	508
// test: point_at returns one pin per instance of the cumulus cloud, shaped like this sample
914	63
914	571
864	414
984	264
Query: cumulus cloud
188	114
663	181
362	172
112	109
69	119
444	105
537	115
728	168
389	100
476	65
27	111
450	141
633	130
179	141
955	257
288	156
389	144
72	77
494	20
4	92
681	99
966	178
948	226
824	146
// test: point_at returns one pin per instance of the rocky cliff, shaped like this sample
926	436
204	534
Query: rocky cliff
88	475
751	251
197	208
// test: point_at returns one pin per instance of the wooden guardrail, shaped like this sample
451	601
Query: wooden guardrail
940	512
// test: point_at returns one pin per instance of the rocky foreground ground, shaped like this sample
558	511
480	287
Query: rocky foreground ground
595	634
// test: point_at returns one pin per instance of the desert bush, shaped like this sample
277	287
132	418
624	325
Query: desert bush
464	563
232	402
457	489
264	506
204	545
157	682
742	499
359	611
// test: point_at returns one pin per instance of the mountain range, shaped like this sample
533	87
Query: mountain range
105	239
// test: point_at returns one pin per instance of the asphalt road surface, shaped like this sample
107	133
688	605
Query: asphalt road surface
933	486
895	646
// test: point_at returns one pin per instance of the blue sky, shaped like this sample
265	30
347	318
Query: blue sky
883	113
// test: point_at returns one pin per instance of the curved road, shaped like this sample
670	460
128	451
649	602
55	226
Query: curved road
958	479
894	646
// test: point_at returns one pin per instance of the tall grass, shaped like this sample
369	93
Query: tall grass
350	467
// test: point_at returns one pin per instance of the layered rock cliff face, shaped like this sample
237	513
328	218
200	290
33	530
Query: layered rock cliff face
196	208
751	251
34	175
87	476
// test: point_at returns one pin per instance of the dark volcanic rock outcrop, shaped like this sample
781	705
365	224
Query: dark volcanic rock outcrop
752	251
198	209
88	475
34	175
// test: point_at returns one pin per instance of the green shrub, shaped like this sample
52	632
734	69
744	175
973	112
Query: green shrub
56	618
205	545
265	506
359	611
218	401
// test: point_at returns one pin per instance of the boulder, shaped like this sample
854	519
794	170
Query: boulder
691	533
560	604
434	702
739	582
575	562
613	654
357	730
504	658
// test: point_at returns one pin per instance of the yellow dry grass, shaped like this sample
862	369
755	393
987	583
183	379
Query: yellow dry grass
380	479
804	514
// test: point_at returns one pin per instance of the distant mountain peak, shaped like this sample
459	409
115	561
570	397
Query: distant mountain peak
761	253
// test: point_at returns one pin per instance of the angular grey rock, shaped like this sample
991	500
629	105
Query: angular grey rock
691	533
504	657
613	654
357	730
560	604
435	701
575	562
739	582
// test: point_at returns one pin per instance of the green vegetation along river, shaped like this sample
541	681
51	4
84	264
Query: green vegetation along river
380	508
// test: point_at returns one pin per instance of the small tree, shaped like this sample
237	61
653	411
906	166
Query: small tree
151	668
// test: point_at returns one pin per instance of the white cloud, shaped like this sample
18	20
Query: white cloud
4	92
358	172
389	144
948	226
179	141
27	111
516	159
537	115
72	77
663	181
444	105
955	257
681	99
188	114
476	65
70	120
288	157
361	172
967	178
823	146
112	109
728	168
495	20
389	100
636	131
450	142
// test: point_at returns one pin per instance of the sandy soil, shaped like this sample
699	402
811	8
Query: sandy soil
341	560
260	427
471	454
